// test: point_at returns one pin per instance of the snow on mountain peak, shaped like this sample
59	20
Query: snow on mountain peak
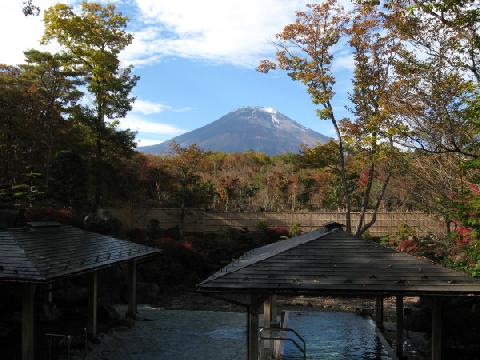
269	110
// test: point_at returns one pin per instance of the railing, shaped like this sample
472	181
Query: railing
59	345
301	346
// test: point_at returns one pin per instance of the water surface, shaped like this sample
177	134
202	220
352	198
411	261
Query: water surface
336	335
207	335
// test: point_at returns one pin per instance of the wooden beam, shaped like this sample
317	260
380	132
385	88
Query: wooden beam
437	329
253	328
379	312
92	304
28	322
399	333
132	290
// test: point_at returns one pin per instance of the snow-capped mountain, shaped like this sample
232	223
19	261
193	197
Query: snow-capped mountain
261	129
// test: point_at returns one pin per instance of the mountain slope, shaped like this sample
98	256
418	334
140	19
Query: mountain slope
249	128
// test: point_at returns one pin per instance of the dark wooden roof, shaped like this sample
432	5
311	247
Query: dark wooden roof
335	262
43	252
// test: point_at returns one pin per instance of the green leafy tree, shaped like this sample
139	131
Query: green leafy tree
55	88
93	39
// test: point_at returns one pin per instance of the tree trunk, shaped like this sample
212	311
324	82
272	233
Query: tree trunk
98	159
182	217
49	149
343	176
366	198
376	207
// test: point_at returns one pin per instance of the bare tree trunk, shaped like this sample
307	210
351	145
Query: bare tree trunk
366	198
98	158
343	174
49	148
380	196
182	216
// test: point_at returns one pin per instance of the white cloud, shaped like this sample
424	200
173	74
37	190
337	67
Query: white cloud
148	107
20	32
236	31
147	142
343	61
142	125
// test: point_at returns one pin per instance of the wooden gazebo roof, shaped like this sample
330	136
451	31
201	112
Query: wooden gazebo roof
43	252
335	262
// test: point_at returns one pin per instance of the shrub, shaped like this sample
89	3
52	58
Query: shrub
262	227
294	230
405	232
385	241
409	246
280	230
63	215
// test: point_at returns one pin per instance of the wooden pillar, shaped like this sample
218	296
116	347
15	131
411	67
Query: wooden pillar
132	290
253	329
92	304
379	312
267	313
399	334
28	322
267	324
50	293
274	309
436	329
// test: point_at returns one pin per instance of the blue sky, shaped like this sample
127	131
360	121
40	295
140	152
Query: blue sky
196	61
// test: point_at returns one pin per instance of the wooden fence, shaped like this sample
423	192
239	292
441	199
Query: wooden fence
208	221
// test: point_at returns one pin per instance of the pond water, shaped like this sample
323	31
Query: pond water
335	335
205	335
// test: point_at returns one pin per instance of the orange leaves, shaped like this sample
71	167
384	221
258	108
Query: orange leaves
265	66
304	49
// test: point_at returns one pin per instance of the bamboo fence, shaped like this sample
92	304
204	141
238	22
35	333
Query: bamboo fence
197	220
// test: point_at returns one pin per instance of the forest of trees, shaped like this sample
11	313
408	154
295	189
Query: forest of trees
412	141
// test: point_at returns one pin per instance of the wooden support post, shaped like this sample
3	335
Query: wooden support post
132	290
50	293
28	322
267	325
436	329
399	342
253	329
274	309
379	312
267	312
92	304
